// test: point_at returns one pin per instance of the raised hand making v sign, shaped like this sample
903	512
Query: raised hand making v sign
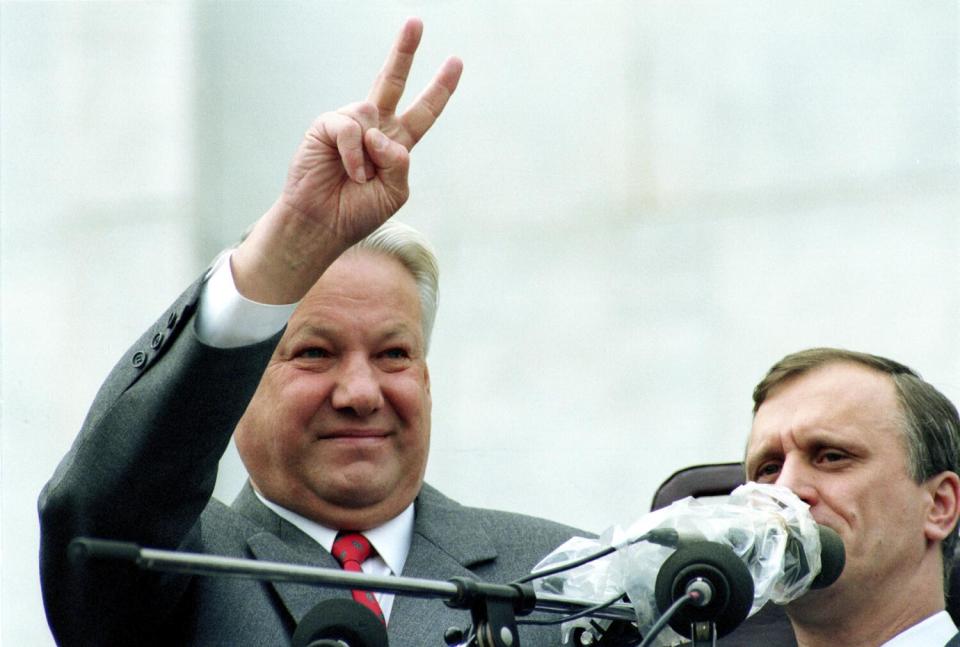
348	176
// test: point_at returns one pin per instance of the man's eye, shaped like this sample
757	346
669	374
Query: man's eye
768	470
832	456
314	353
395	353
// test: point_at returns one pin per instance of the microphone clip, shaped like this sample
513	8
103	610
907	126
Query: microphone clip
493	610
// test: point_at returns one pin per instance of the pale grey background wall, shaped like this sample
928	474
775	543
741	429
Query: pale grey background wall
638	206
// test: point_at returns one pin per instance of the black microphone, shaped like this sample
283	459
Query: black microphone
766	528
721	579
832	554
748	532
339	622
724	583
833	558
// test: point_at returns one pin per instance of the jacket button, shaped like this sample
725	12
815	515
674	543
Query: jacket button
172	320
157	341
139	359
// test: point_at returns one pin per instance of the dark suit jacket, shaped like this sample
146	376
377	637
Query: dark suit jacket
143	469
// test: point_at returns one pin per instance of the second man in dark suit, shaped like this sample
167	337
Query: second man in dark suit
874	450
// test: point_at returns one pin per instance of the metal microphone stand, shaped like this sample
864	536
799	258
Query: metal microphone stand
493	607
703	634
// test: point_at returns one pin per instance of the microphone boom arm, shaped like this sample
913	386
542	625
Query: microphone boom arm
493	607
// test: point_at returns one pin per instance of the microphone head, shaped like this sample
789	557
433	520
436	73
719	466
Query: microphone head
832	558
727	576
340	619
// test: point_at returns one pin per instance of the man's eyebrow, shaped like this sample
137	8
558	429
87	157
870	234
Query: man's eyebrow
312	330
397	330
760	453
402	333
389	333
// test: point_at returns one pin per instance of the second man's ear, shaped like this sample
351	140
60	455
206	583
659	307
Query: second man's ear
944	490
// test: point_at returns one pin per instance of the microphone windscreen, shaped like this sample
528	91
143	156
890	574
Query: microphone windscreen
340	619
832	558
727	576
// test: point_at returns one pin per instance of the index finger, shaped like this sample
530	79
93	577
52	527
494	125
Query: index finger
392	79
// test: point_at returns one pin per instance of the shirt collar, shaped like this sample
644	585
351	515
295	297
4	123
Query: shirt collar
935	630
391	540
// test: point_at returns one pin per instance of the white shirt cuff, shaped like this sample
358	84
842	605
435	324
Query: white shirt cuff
227	319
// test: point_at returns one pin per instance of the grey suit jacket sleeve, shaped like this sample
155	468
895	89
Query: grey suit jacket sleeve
141	469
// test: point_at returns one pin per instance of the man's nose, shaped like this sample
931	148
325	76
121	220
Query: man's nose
357	389
796	476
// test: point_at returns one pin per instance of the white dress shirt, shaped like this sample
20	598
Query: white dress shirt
391	541
226	319
935	631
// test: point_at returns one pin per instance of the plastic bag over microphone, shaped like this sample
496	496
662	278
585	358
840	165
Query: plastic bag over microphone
767	526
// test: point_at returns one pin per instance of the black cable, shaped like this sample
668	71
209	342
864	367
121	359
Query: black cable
659	536
665	618
566	566
572	616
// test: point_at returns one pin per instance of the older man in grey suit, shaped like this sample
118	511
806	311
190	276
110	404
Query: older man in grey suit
330	401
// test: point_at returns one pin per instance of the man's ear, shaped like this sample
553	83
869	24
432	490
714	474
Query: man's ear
944	490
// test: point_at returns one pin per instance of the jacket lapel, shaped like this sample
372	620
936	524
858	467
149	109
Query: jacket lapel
447	542
281	541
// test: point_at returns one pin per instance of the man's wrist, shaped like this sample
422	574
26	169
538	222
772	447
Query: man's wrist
282	257
227	319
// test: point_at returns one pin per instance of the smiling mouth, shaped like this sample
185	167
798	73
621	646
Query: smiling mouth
358	435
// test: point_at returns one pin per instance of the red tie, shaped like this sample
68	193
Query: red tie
351	549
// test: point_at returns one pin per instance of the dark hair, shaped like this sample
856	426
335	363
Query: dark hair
931	425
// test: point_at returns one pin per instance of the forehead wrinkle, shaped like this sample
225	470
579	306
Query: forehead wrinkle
378	301
310	329
783	421
823	410
367	298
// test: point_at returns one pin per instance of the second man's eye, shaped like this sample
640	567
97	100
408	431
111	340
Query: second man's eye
767	471
396	353
832	456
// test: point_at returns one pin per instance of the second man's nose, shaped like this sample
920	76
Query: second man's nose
797	478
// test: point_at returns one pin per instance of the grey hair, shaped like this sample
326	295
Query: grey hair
414	251
931	426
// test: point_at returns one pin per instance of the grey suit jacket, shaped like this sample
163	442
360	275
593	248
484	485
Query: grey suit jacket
143	468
